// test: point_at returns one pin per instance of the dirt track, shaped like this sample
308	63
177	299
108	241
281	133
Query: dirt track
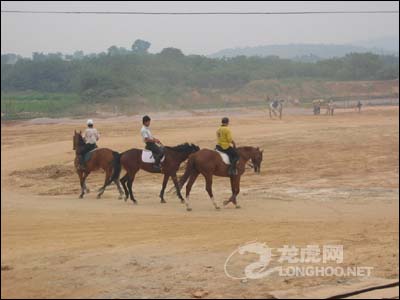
324	180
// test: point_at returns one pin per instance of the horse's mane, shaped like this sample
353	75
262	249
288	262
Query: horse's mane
186	147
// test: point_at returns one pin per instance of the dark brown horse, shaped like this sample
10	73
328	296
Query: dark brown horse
131	161
208	163
102	158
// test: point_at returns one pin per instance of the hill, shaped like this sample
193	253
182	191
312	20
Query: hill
312	52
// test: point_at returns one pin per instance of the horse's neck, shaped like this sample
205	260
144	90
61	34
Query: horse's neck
244	155
178	156
79	149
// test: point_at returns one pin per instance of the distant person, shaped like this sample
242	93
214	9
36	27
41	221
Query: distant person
90	136
153	144
331	108
226	144
359	105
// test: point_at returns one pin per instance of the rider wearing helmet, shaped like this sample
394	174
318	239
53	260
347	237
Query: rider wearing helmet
225	143
91	136
152	143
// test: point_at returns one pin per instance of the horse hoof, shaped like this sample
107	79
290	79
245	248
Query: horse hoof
163	201
80	196
237	206
188	209
218	208
226	202
135	202
98	196
126	199
182	201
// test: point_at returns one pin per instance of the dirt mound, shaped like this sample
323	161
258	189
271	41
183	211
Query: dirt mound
46	172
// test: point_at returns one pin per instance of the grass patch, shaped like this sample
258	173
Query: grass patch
34	104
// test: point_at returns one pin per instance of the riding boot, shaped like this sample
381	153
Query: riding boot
157	166
232	169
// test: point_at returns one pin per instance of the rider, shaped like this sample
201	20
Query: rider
151	142
91	136
275	103
225	141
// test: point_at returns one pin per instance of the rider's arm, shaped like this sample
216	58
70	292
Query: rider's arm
229	137
85	135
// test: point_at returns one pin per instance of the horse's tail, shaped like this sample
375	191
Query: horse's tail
190	167
116	163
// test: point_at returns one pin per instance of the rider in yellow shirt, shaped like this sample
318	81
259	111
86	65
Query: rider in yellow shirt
227	145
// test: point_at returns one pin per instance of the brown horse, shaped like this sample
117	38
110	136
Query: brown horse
131	161
208	163
102	158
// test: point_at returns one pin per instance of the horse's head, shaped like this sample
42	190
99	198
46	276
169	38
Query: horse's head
254	154
256	157
77	140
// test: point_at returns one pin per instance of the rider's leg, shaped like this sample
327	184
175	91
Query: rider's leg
233	157
156	153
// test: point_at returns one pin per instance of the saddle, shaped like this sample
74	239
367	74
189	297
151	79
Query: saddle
147	157
224	156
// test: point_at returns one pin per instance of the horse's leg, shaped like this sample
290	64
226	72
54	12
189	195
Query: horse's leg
121	192
131	178
82	183
103	188
123	182
164	185
189	185
178	190
270	115
280	114
209	191
86	174
236	187
226	202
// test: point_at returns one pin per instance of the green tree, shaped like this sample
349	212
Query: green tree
140	46
172	53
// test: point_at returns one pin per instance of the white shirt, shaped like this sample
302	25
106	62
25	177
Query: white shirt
91	136
145	132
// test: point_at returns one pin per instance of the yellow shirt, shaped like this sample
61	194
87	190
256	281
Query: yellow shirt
224	137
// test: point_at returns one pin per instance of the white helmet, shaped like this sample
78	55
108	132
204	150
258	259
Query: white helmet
89	122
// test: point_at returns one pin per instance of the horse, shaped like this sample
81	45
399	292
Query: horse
209	162
276	107
102	158
131	161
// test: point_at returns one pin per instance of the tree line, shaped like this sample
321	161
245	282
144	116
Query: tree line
121	72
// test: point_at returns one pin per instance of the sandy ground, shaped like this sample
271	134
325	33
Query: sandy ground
324	180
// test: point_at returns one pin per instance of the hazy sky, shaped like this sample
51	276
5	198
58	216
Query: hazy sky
24	34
